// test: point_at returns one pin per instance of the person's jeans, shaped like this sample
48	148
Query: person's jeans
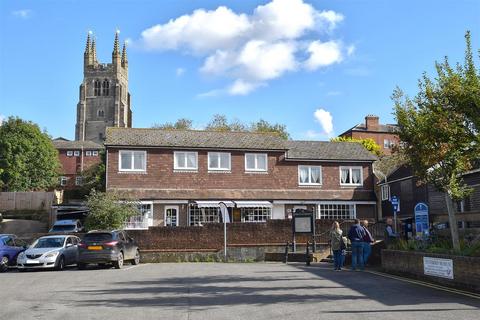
337	259
367	251
357	255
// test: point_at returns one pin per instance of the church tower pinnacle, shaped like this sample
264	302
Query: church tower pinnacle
104	100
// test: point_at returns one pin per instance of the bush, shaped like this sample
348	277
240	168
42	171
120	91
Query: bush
108	211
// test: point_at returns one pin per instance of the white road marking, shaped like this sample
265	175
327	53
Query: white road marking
131	267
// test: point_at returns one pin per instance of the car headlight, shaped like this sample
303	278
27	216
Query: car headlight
52	255
21	255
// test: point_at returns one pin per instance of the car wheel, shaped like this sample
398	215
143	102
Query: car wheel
4	264
136	259
119	263
81	266
60	264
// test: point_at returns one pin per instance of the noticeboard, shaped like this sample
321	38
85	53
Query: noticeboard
421	219
438	267
303	223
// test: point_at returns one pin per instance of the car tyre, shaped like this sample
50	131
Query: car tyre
81	266
136	259
119	263
60	264
4	264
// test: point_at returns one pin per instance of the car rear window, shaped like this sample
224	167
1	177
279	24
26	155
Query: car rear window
64	227
97	237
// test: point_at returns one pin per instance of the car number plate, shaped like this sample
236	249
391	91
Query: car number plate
94	247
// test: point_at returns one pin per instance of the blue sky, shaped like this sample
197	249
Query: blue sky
317	66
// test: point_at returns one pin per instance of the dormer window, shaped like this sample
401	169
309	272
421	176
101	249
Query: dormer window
106	87
96	88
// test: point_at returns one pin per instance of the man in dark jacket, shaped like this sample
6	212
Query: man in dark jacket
356	235
367	242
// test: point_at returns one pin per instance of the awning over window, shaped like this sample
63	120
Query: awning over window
214	204
253	204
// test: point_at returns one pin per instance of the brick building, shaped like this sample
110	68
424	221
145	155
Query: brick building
383	134
76	157
183	177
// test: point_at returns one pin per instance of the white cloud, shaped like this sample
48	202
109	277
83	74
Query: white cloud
334	93
251	48
2	118
180	71
23	14
351	50
325	119
323	54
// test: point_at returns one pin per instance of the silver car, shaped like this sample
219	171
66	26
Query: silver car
47	252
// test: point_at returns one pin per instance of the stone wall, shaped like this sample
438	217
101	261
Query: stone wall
466	270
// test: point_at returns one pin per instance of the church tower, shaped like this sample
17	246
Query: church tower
104	98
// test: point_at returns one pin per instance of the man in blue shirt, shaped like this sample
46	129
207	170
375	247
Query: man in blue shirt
356	235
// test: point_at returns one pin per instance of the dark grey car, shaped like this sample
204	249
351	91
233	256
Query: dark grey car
103	247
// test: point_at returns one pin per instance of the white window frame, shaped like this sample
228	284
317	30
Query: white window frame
177	208
386	144
336	210
132	168
69	153
78	180
63	181
94	153
218	155
76	153
88	153
256	169
176	153
385	191
309	170
350	175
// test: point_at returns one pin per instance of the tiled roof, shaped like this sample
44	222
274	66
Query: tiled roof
193	139
61	143
381	128
325	150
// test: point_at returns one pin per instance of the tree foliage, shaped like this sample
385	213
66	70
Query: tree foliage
180	124
108	211
220	122
368	144
94	177
28	159
439	127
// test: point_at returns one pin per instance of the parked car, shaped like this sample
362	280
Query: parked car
50	252
102	247
67	226
10	247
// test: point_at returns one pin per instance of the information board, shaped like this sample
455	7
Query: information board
421	219
303	223
438	267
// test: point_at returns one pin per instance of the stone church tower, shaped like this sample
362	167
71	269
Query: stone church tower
104	98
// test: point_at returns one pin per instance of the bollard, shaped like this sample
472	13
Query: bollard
286	253
307	255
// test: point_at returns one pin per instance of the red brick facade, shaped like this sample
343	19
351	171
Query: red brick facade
73	165
162	186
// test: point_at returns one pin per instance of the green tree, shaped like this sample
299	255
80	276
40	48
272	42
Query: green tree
28	159
180	124
108	211
439	129
220	122
264	126
94	177
368	144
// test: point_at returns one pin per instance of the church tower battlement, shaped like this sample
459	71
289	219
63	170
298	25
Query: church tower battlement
104	100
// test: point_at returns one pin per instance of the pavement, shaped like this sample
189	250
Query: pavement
225	291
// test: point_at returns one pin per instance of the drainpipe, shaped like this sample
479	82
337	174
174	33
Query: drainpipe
376	171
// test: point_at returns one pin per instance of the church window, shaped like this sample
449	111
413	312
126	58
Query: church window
106	87
101	113
96	88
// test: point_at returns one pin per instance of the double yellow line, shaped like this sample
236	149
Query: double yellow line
427	284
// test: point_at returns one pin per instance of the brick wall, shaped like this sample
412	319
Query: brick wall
71	166
465	269
282	175
210	236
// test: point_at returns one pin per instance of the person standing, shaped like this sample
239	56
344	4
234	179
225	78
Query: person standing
390	235
336	243
356	235
367	242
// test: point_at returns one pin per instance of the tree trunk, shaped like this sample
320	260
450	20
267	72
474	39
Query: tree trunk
452	220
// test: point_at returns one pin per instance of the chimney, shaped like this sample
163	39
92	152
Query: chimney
371	122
